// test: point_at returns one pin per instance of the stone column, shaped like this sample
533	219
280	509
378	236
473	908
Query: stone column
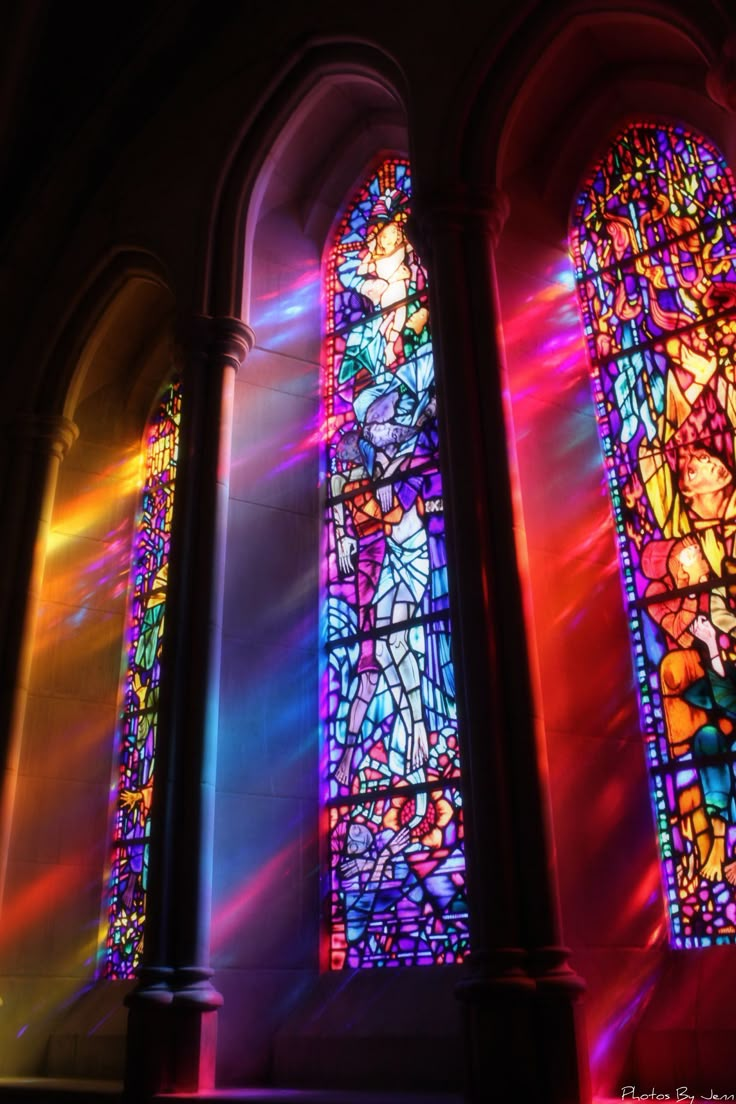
172	1022
38	443
520	997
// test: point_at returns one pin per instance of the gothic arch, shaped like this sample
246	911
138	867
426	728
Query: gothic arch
536	64
612	920
278	120
336	113
111	289
65	625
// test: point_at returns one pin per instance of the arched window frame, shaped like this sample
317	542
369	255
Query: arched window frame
652	239
132	787
391	790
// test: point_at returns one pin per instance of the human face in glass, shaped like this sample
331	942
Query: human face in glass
704	474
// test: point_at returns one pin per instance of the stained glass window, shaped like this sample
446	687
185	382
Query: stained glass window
654	246
396	890
126	904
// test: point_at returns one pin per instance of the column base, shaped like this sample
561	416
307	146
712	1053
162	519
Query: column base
497	999
172	1039
153	986
523	1026
560	1028
192	986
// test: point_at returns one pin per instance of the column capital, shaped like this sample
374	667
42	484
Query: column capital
53	434
228	340
720	81
486	209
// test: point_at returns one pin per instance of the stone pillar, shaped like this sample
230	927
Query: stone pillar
520	998
172	1020
38	443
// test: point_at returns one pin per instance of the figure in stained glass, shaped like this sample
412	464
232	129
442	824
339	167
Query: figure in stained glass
390	403
654	244
366	879
391	716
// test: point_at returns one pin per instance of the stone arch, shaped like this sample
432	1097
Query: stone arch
538	63
130	284
66	632
280	117
281	195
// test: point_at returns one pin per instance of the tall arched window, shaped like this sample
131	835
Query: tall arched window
654	243
126	903
391	770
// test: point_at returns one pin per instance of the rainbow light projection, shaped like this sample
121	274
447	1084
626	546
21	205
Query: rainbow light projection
126	903
654	242
392	788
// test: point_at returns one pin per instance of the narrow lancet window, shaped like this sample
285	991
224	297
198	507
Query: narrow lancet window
654	246
126	901
396	890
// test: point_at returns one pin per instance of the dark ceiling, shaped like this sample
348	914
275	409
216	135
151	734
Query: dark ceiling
59	62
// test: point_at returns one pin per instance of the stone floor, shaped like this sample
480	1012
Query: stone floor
42	1090
46	1090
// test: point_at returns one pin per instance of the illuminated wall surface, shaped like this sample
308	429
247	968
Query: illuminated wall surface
139	709
654	245
396	865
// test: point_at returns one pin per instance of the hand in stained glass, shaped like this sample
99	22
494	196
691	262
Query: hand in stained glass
129	799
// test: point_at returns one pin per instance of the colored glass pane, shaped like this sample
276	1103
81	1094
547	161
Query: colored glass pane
126	904
396	872
654	243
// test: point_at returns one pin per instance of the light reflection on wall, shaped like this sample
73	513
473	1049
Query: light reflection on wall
233	912
83	515
51	914
265	902
283	310
628	1008
607	862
